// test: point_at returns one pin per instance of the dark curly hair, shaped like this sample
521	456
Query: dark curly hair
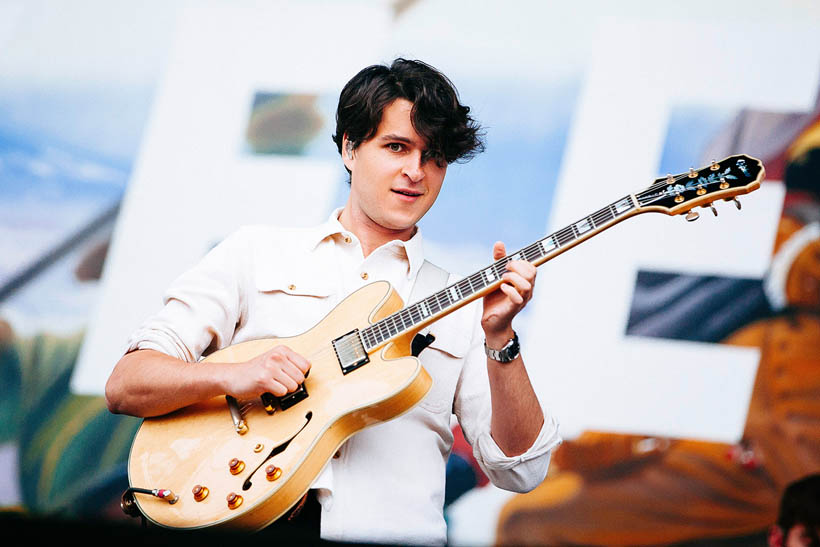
437	116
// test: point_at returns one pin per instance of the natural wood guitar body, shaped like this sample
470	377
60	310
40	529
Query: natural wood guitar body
194	445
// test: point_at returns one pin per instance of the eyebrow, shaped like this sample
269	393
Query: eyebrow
393	137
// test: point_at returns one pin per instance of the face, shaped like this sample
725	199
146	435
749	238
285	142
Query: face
798	536
390	187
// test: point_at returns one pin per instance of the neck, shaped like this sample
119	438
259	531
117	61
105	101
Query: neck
370	234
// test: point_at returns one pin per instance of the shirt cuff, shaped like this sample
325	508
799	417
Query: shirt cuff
159	340
525	471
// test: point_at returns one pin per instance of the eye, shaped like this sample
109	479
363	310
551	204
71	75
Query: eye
395	147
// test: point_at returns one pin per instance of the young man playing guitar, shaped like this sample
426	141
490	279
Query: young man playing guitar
398	127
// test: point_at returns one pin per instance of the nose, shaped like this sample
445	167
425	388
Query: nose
413	167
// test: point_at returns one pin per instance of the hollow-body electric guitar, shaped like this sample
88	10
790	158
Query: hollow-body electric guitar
243	464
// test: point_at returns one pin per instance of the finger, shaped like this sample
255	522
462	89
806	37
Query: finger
276	388
283	378
293	371
522	285
523	268
300	362
499	250
512	293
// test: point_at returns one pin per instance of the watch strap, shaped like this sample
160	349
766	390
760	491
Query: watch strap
509	352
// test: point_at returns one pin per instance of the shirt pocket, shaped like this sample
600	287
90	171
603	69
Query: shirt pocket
443	360
290	302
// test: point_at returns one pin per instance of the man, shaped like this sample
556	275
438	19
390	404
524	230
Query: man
398	128
798	521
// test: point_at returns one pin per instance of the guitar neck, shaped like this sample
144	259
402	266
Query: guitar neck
428	310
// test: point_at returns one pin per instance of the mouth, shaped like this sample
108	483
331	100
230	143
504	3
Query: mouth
408	193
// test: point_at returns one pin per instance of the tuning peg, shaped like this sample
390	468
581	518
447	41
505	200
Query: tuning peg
692	173
714	166
712	207
692	216
723	184
737	203
670	179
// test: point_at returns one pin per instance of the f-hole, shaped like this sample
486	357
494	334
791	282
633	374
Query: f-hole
277	450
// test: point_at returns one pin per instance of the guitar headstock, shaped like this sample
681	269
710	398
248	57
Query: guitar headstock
725	179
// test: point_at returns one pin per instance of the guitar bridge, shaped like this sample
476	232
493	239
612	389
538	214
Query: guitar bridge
350	351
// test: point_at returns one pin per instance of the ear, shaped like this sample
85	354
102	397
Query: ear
348	154
775	536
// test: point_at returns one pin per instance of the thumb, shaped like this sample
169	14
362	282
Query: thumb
499	250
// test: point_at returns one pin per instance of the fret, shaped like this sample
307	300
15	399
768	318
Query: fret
582	226
396	328
603	216
433	304
476	282
564	236
365	334
548	244
623	205
464	288
441	300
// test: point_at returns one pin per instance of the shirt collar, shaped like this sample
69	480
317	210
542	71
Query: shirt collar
413	248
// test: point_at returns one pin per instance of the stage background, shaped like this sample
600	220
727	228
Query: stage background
133	137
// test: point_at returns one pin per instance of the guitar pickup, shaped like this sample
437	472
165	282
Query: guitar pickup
350	351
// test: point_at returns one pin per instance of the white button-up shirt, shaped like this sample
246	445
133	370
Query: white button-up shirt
387	483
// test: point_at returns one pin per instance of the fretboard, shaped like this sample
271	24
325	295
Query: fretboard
419	314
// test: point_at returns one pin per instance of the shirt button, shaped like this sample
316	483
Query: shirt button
364	275
291	287
348	239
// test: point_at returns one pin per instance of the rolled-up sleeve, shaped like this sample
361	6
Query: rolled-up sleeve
202	307
472	407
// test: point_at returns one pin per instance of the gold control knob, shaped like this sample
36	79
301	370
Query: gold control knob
236	466
234	500
258	448
272	472
200	492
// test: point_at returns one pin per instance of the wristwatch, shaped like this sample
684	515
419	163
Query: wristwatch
506	354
